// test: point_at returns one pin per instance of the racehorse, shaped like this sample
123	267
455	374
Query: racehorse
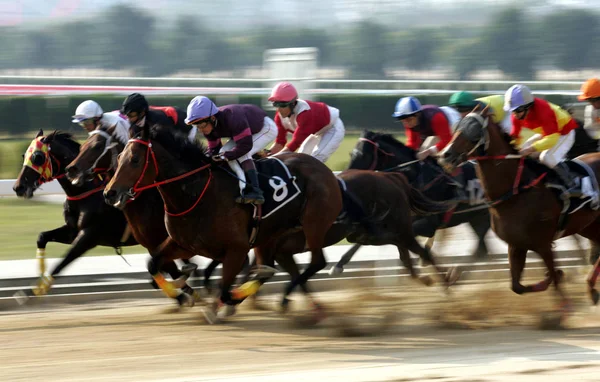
526	209
382	152
145	214
211	223
89	222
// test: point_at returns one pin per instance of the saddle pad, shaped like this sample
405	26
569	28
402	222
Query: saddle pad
277	183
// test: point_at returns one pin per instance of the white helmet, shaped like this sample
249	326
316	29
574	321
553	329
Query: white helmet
516	96
87	110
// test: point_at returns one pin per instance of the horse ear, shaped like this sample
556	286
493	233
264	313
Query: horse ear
40	133
476	108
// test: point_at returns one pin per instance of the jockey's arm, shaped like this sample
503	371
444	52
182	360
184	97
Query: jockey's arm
275	148
243	144
515	131
281	138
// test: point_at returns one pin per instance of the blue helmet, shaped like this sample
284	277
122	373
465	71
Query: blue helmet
517	96
406	106
200	107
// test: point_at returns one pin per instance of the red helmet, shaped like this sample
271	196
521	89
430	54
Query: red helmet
283	92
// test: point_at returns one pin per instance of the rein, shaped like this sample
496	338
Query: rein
377	150
150	153
517	187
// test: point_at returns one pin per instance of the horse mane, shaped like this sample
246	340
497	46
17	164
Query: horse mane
389	139
63	137
179	145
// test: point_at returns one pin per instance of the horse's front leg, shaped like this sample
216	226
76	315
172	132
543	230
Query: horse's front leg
233	262
85	240
162	258
65	235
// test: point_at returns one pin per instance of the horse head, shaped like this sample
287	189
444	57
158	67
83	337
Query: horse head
98	154
476	136
155	156
44	161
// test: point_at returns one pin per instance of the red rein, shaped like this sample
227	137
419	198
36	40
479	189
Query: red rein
150	153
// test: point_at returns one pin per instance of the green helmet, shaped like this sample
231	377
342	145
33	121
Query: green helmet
462	99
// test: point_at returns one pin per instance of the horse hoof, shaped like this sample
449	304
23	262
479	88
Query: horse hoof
185	300
226	311
188	269
452	276
336	270
21	297
210	315
427	280
595	296
284	307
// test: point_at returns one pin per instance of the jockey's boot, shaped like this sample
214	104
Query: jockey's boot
568	179
255	195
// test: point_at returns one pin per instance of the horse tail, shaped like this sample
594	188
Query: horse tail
422	205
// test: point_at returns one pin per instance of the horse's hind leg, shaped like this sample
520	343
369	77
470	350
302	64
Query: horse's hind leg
407	261
481	225
410	243
338	268
592	232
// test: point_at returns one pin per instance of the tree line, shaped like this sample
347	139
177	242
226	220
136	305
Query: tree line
514	42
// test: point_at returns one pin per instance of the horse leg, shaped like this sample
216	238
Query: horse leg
451	275
516	259
233	262
166	253
338	268
592	232
65	235
407	262
290	266
481	225
208	271
84	241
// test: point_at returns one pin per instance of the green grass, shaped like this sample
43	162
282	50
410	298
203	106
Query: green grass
23	220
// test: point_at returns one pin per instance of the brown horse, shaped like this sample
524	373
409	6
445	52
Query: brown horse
526	211
144	215
203	216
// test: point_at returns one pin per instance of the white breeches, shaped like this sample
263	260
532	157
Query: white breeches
324	143
558	152
260	141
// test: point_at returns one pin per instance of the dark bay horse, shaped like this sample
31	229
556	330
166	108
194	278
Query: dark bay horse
382	152
89	222
525	212
145	213
204	217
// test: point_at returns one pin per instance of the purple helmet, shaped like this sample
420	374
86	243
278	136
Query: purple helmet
517	96
200	107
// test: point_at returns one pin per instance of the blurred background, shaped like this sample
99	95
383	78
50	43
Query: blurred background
358	56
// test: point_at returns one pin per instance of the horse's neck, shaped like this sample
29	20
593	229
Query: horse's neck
179	195
497	176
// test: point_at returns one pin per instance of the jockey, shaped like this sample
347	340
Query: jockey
421	122
464	103
316	127
590	92
250	131
554	127
140	114
90	116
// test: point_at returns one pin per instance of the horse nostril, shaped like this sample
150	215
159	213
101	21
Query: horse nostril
18	188
72	170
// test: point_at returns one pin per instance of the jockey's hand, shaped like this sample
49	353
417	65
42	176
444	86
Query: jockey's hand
422	155
218	158
527	151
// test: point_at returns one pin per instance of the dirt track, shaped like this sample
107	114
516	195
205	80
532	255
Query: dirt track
434	337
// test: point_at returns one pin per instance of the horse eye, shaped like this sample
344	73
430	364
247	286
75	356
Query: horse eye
38	159
135	159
